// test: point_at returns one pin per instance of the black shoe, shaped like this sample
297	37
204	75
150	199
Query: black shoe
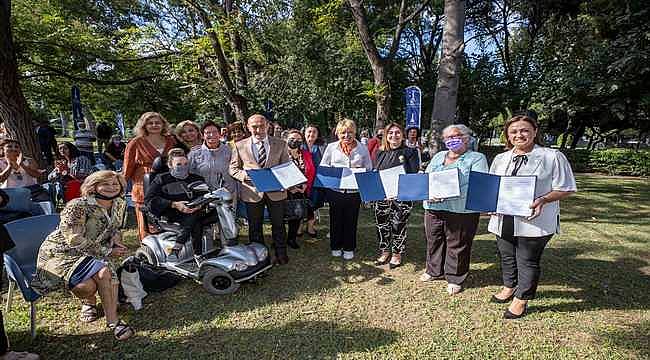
510	316
282	259
293	244
393	265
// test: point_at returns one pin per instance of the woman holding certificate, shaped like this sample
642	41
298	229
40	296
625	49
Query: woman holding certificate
449	227
344	204
392	215
521	240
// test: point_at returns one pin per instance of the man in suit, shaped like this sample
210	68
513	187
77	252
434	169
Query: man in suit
256	152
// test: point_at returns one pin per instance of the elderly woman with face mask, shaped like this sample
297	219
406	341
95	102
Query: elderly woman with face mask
168	196
449	227
521	240
344	204
79	255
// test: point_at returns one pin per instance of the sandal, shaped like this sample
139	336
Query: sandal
88	313
121	330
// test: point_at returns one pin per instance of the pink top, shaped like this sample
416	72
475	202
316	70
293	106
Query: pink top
17	178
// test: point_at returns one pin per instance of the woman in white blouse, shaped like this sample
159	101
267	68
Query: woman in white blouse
521	240
344	204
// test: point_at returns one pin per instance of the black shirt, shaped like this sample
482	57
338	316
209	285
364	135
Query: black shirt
403	155
117	151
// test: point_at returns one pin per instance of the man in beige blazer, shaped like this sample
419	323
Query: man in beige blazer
255	152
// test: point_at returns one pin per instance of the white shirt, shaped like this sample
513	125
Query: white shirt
17	178
334	157
255	146
553	173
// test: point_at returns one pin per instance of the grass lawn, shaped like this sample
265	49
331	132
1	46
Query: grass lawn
593	301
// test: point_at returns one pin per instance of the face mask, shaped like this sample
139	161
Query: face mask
294	144
180	171
454	144
104	197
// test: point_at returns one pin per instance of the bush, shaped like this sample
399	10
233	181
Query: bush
620	162
610	161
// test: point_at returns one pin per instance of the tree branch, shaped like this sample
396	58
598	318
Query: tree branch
90	80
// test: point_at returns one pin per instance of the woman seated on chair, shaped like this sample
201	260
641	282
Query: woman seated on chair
79	254
168	196
17	170
70	170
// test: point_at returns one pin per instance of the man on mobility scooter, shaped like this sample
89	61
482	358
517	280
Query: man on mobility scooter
181	205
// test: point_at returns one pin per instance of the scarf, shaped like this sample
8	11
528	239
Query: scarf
347	149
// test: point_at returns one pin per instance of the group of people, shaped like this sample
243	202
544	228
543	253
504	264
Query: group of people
80	254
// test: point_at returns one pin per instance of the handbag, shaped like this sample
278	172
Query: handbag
295	209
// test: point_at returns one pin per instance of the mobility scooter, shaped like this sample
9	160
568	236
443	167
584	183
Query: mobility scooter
220	269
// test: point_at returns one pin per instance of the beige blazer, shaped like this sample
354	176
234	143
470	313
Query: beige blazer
243	159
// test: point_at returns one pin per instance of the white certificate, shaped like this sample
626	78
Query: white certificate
348	181
288	174
390	180
516	194
444	184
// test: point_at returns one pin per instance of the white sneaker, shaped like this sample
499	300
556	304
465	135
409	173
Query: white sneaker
453	289
348	255
426	277
337	253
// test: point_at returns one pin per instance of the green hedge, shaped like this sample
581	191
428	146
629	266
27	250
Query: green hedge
609	161
620	162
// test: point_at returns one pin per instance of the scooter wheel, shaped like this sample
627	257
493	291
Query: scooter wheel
218	282
145	253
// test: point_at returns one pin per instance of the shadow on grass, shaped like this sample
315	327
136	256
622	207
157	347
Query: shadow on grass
294	340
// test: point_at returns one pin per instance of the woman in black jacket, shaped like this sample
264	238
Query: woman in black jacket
392	215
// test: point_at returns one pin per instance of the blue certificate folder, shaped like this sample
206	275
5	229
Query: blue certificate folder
413	187
508	195
483	192
264	180
370	186
328	177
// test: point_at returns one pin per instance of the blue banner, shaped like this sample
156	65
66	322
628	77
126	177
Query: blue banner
413	97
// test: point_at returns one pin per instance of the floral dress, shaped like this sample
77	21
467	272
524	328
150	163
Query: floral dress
85	230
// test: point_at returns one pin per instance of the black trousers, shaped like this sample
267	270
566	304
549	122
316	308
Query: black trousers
255	212
520	263
449	243
344	216
192	226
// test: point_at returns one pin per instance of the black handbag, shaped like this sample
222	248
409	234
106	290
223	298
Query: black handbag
295	209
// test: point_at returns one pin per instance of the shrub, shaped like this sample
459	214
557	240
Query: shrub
620	162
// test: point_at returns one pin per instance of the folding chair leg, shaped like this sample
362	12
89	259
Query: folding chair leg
10	296
32	317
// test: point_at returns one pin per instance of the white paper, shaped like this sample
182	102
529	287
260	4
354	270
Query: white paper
390	180
348	181
288	174
516	194
444	184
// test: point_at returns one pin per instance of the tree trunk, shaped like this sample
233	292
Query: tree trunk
14	111
446	97
382	96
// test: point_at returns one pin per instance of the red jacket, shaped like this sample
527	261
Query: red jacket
310	170
373	146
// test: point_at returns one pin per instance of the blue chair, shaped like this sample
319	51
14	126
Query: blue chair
20	262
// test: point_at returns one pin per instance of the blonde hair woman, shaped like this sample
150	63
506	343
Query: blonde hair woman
79	254
344	204
152	140
189	133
